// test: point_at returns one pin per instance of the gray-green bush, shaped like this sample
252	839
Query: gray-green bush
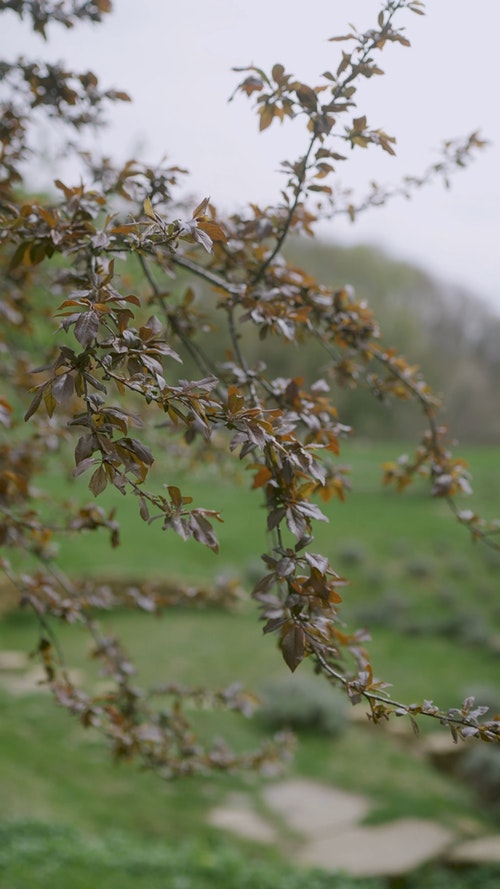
301	703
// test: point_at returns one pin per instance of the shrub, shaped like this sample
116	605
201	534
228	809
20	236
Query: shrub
481	769
351	553
390	610
420	568
302	703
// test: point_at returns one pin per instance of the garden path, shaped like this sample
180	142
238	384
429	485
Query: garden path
327	822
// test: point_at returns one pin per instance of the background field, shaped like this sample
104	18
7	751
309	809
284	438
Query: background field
429	594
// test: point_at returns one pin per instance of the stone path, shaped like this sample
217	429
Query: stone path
327	823
19	678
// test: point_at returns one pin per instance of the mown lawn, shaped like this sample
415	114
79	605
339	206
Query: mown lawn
429	594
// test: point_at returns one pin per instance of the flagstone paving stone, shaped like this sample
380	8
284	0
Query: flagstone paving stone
310	808
328	822
483	850
13	660
242	820
379	850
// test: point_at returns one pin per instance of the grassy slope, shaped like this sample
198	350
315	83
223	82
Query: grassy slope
53	771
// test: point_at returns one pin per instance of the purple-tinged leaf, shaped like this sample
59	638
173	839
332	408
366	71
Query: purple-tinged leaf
86	328
63	387
84	447
203	531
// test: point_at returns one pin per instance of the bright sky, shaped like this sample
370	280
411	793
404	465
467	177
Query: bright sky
175	60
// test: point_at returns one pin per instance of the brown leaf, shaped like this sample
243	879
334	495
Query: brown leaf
307	97
201	209
292	645
277	73
213	230
98	481
266	116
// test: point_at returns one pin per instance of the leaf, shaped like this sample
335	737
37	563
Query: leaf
98	481
139	449
118	95
63	387
175	495
359	123
18	256
35	404
297	525
311	510
202	238
343	37
292	644
213	230
251	84
201	209
82	466
148	209
275	517
277	73
261	477
50	402
266	116
235	400
153	364
307	97
86	328
346	58
143	509
84	448
315	560
203	531
273	624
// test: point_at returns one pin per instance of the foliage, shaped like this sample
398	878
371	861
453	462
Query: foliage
112	384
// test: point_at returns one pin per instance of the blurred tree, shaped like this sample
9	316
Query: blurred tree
443	328
117	357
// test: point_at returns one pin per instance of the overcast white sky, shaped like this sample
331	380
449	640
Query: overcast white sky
175	59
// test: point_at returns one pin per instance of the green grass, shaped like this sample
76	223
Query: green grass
56	857
42	746
376	517
415	572
405	550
